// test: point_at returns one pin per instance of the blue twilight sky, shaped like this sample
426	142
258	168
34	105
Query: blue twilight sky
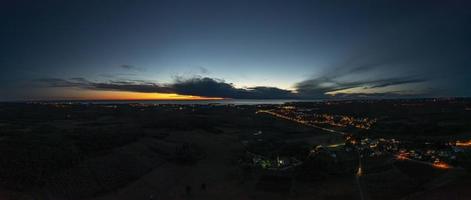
234	49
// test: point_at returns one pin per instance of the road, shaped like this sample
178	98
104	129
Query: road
300	121
358	175
443	166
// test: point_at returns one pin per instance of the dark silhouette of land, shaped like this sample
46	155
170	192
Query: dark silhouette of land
349	149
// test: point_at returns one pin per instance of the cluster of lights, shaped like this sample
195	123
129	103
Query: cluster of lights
306	116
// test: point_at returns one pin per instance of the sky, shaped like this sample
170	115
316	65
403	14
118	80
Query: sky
254	49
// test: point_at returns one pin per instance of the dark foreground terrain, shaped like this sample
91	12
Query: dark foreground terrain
371	149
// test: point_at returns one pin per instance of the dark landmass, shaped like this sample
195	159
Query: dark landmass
349	149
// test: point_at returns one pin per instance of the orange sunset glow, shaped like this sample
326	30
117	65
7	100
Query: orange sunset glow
123	95
115	95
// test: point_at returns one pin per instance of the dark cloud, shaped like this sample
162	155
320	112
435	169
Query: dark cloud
205	87
131	87
318	87
79	80
203	70
57	82
396	81
116	75
335	80
131	67
212	87
199	86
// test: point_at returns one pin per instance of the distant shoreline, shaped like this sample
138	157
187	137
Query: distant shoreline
228	101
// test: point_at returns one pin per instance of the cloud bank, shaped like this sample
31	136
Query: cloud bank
314	88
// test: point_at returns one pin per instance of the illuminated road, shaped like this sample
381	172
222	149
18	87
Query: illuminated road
360	188
439	166
358	174
300	121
